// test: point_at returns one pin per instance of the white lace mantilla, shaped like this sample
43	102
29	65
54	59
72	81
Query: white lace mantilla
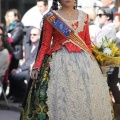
77	90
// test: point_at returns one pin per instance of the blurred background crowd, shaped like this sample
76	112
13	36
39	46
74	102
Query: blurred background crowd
20	30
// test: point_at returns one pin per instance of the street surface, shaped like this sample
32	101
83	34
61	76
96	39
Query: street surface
9	115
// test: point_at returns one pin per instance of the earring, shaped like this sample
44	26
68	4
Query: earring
75	4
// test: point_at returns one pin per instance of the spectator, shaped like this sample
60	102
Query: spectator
110	4
7	21
15	32
105	18
6	41
17	76
4	59
37	13
7	46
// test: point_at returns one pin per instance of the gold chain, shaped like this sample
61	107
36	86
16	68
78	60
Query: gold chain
69	14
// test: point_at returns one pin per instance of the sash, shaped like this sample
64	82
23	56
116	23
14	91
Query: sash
66	31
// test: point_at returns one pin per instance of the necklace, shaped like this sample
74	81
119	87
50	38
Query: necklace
69	14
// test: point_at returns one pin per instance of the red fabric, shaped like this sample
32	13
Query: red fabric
57	42
10	40
85	34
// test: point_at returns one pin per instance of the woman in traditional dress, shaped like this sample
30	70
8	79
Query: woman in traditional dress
67	81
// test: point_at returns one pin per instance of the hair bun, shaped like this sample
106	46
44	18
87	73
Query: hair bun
55	5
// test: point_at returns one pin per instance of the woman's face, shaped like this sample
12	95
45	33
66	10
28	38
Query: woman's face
67	3
102	18
7	19
11	17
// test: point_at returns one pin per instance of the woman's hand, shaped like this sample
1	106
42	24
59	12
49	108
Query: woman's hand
34	74
31	66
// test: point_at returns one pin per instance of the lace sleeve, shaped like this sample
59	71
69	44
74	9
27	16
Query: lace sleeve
45	45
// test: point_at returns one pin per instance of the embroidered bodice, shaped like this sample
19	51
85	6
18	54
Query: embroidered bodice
53	40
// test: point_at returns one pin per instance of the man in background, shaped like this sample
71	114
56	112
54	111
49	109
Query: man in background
18	76
33	16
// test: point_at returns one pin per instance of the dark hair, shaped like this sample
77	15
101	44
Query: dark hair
55	1
1	28
16	13
107	11
6	44
55	5
45	2
3	32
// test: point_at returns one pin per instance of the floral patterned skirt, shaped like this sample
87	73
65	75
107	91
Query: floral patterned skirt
36	107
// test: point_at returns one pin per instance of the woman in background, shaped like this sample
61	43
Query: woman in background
105	18
4	58
15	32
6	44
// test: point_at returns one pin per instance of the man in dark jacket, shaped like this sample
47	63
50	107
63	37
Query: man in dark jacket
18	76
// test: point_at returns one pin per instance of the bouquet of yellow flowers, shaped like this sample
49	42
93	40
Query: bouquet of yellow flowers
106	53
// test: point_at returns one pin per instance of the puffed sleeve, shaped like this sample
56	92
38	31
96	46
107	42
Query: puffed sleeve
87	35
45	45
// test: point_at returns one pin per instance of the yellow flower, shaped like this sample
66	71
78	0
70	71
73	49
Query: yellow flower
99	58
107	53
107	45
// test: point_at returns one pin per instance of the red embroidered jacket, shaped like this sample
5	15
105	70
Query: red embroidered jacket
51	34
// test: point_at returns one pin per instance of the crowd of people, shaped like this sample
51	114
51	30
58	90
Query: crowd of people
21	41
56	66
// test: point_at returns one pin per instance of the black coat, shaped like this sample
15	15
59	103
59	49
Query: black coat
17	34
113	80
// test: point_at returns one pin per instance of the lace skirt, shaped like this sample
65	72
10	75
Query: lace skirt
70	86
77	89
